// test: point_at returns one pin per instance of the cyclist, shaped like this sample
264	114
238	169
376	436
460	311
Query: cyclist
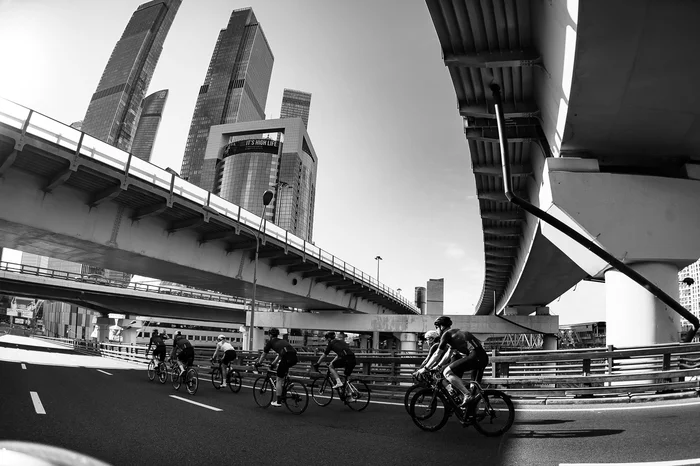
184	351
464	342
159	347
229	354
344	358
286	357
433	338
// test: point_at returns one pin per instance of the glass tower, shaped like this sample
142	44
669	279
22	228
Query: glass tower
151	114
234	90
296	104
115	107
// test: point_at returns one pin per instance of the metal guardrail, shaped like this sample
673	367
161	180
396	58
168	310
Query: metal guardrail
104	281
533	374
84	145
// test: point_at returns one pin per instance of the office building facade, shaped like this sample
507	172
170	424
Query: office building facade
689	295
234	90
420	298
435	293
296	104
113	113
281	158
147	130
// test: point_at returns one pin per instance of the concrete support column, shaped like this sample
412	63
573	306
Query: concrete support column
409	341
549	342
258	339
634	316
364	342
375	340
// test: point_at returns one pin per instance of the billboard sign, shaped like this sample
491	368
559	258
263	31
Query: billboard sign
12	312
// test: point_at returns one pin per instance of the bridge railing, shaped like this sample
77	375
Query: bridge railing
104	281
55	132
537	375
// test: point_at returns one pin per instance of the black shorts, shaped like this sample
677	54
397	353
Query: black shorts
287	361
475	362
186	356
348	362
229	356
159	352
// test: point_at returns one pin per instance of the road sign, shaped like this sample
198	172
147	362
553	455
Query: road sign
12	312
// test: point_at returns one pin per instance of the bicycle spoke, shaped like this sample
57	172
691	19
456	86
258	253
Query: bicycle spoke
357	395
429	409
216	378
494	413
296	397
263	391
321	391
234	380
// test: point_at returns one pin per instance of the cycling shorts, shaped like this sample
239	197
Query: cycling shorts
475	362
348	362
186	356
229	356
287	361
159	352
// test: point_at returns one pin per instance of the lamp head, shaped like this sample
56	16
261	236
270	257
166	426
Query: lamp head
267	197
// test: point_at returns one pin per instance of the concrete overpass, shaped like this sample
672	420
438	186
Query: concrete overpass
600	100
67	195
134	299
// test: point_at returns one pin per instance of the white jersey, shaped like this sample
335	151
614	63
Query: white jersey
223	346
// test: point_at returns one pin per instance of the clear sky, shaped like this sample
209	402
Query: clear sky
394	176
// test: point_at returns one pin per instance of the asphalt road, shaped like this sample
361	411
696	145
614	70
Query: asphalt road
124	419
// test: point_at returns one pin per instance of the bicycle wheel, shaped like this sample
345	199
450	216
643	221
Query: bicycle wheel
263	391
322	391
191	380
162	373
151	370
216	378
429	409
494	412
296	397
175	378
357	394
233	379
409	394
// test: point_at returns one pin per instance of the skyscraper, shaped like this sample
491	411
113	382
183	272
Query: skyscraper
151	114
114	109
296	104
234	90
436	296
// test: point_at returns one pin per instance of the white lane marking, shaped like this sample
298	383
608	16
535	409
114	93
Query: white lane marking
24	366
637	463
104	372
38	407
617	408
195	403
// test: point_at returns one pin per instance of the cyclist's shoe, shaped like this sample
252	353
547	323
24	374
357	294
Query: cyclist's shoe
338	385
276	404
223	385
466	400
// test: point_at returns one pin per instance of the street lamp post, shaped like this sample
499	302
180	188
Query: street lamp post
267	198
378	258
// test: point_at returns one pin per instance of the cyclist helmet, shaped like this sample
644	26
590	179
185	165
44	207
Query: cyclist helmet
432	334
220	337
329	336
443	321
154	332
274	332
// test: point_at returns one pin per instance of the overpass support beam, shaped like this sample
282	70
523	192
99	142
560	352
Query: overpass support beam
650	223
409	341
634	316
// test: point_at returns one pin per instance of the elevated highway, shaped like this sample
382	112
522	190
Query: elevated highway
67	195
601	112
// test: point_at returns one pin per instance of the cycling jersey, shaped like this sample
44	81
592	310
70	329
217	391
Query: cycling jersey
340	347
156	341
465	342
288	355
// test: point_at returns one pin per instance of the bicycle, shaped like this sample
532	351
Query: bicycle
294	394
354	393
233	377
491	412
410	392
159	370
189	377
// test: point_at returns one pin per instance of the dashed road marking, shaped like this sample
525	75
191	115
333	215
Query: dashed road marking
695	461
104	372
24	366
38	407
195	403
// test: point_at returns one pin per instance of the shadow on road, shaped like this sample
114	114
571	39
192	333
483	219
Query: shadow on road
575	433
543	422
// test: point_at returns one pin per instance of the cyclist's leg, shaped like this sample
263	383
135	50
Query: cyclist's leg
454	372
282	370
228	357
336	363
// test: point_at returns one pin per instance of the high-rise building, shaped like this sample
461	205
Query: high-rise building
690	293
113	113
234	90
284	162
296	104
420	298
436	296
151	114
